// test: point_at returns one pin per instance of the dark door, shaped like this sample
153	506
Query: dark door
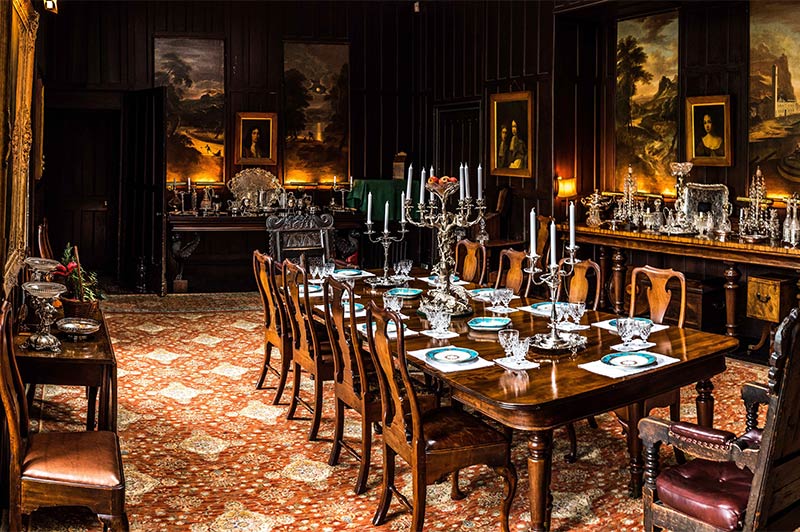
142	234
80	183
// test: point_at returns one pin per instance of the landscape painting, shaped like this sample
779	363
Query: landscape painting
316	114
774	125
193	71
646	106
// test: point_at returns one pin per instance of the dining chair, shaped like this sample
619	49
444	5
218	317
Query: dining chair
55	468
434	443
749	482
277	334
511	272
43	234
310	353
471	260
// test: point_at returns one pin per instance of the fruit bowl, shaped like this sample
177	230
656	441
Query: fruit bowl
443	186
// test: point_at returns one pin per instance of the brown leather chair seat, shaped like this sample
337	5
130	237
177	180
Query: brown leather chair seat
451	428
714	492
86	458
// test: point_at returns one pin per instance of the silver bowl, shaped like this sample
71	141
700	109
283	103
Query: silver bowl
78	328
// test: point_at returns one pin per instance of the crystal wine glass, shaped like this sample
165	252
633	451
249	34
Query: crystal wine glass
576	311
392	303
440	322
519	350
626	327
507	339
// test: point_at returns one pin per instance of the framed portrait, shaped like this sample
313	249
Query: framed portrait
256	139
708	130
511	128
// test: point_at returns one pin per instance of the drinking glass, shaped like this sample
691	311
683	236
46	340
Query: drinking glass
440	321
627	329
505	295
392	303
643	329
519	350
328	268
576	311
315	271
406	266
507	339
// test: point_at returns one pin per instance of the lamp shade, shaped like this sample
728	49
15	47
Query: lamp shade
567	187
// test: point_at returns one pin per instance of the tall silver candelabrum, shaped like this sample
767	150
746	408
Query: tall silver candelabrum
344	189
552	278
386	239
433	214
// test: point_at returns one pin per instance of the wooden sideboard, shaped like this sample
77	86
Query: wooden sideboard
613	244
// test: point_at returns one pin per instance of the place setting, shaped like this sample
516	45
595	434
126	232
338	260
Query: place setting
451	358
516	351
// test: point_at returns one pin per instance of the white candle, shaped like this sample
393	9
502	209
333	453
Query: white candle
480	182
572	225
369	208
351	181
431	172
410	177
553	261
386	217
466	181
423	178
403	207
334	181
461	181
188	183
532	224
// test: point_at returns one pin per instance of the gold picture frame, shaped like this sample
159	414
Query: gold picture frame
708	130
256	139
511	133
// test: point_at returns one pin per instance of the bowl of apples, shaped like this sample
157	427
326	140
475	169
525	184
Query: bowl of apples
442	186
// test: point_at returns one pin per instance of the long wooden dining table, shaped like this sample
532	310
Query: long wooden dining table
540	400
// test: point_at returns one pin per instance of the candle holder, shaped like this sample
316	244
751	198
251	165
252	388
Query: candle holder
385	239
44	294
344	189
555	342
433	214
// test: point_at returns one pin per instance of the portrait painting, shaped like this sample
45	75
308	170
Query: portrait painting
316	114
256	139
510	122
646	106
774	88
193	72
708	130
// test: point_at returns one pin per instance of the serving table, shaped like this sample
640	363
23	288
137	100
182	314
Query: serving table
88	362
539	400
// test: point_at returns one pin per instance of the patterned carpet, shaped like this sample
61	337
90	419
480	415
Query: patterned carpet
204	451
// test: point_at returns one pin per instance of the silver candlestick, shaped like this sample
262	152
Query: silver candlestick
386	239
43	296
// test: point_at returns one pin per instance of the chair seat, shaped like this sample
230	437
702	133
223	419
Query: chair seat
450	428
78	458
713	492
752	438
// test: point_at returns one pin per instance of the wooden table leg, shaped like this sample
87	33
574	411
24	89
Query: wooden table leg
705	403
635	412
603	258
732	276
103	409
618	280
540	462
91	398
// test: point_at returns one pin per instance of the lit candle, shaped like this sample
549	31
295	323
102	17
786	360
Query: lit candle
572	225
386	217
369	208
461	181
480	182
351	181
532	224
553	261
423	178
466	181
408	183
188	183
403	207
334	181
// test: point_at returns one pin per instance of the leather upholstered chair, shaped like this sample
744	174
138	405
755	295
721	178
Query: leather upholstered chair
56	468
434	443
745	483
471	261
277	334
511	272
310	353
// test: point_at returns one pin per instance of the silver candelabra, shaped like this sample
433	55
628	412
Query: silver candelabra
344	189
386	239
433	214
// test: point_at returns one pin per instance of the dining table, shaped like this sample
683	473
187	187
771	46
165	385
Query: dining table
560	390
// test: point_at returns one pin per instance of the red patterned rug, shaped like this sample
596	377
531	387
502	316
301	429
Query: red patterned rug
205	451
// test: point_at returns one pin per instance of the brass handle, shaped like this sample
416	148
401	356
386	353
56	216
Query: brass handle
763	299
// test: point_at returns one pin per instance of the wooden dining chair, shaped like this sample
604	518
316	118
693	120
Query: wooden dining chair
511	272
434	443
471	261
43	233
310	353
277	333
55	468
578	287
749	482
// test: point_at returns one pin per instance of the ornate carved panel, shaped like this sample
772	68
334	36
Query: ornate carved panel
291	235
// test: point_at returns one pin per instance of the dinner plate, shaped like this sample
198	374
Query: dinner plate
434	278
391	328
406	293
358	307
348	273
613	323
629	359
489	323
312	289
543	309
481	293
451	355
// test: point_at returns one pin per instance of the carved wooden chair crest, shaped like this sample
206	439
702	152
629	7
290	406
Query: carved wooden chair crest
292	235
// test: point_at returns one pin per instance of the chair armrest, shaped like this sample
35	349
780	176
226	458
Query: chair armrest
754	395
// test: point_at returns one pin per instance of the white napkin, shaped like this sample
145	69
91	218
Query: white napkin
541	310
362	329
636	345
501	310
616	372
510	363
359	313
362	275
432	334
448	368
432	282
568	326
606	324
485	297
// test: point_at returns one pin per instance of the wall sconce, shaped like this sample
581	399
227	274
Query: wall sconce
566	187
51	6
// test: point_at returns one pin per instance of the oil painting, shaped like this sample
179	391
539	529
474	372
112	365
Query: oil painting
708	130
193	71
510	136
646	107
316	113
774	123
256	139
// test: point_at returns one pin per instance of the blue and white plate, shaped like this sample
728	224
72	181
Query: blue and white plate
451	355
629	359
312	289
435	278
358	307
405	293
489	323
348	273
613	323
391	328
481	293
543	309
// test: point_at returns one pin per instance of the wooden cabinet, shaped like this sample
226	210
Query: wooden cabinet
770	296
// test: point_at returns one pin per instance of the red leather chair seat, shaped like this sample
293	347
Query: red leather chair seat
714	492
449	428
85	458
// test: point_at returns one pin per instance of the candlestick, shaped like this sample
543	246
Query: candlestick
351	181
461	182
480	182
369	208
466	181
553	261
402	210
386	217
188	183
423	178
532	224
410	178
386	239
334	181
571	224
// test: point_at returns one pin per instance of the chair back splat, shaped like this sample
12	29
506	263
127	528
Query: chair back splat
512	272
471	261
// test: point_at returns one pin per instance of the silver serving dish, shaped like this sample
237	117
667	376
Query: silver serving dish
40	264
78	327
44	290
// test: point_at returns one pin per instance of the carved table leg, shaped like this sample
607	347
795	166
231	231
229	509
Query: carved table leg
635	412
732	276
540	461
705	403
601	304
618	280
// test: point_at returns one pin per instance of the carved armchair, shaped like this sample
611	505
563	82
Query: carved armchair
293	235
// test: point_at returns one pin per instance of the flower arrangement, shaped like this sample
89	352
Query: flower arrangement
82	285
